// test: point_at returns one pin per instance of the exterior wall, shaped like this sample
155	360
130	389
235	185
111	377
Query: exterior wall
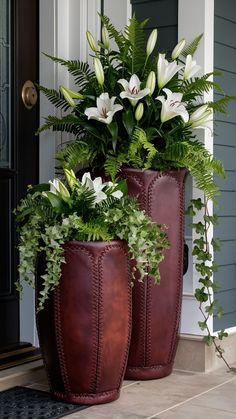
162	14
225	150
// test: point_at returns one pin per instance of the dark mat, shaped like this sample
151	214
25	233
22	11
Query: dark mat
27	403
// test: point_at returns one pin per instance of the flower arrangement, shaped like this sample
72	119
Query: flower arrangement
86	210
136	108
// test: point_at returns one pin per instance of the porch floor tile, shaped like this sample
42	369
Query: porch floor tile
181	395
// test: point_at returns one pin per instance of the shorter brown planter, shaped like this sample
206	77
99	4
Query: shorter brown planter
84	329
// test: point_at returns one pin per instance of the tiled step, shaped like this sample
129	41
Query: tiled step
22	375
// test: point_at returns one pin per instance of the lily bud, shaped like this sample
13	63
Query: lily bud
71	93
151	42
70	177
98	71
105	37
178	49
67	96
139	111
151	82
91	41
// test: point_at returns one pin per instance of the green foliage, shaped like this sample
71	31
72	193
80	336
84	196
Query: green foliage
86	211
206	267
192	48
150	142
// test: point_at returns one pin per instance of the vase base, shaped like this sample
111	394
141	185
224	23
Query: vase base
148	373
88	398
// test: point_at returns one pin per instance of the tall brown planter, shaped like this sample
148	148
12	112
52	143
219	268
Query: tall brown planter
157	308
84	329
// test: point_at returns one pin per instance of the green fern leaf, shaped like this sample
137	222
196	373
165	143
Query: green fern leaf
191	48
55	98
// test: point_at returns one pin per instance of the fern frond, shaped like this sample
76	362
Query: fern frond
135	34
113	164
221	104
139	143
191	48
55	98
198	160
74	153
81	71
68	123
197	86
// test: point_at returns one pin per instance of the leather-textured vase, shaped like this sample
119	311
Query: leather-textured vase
84	328
157	308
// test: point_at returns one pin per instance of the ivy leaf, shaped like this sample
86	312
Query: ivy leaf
220	313
190	211
201	295
202	325
197	203
215	244
209	340
211	219
199	227
211	308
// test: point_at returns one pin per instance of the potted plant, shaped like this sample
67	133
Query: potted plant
132	116
73	237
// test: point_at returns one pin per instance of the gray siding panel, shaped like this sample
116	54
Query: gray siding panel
225	150
227	184
226	276
227	206
226	155
225	133
226	258
226	229
225	33
225	57
226	9
163	15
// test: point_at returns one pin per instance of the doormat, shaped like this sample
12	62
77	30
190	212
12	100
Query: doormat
27	403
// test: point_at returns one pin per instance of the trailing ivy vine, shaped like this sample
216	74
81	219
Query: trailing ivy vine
206	267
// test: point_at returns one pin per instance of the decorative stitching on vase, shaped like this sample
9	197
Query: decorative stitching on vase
95	327
142	326
141	197
109	247
59	337
178	177
181	185
148	355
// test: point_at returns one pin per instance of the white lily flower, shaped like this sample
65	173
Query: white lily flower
117	194
132	89
191	68
96	186
178	49
166	70
58	188
172	106
105	109
54	186
201	118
